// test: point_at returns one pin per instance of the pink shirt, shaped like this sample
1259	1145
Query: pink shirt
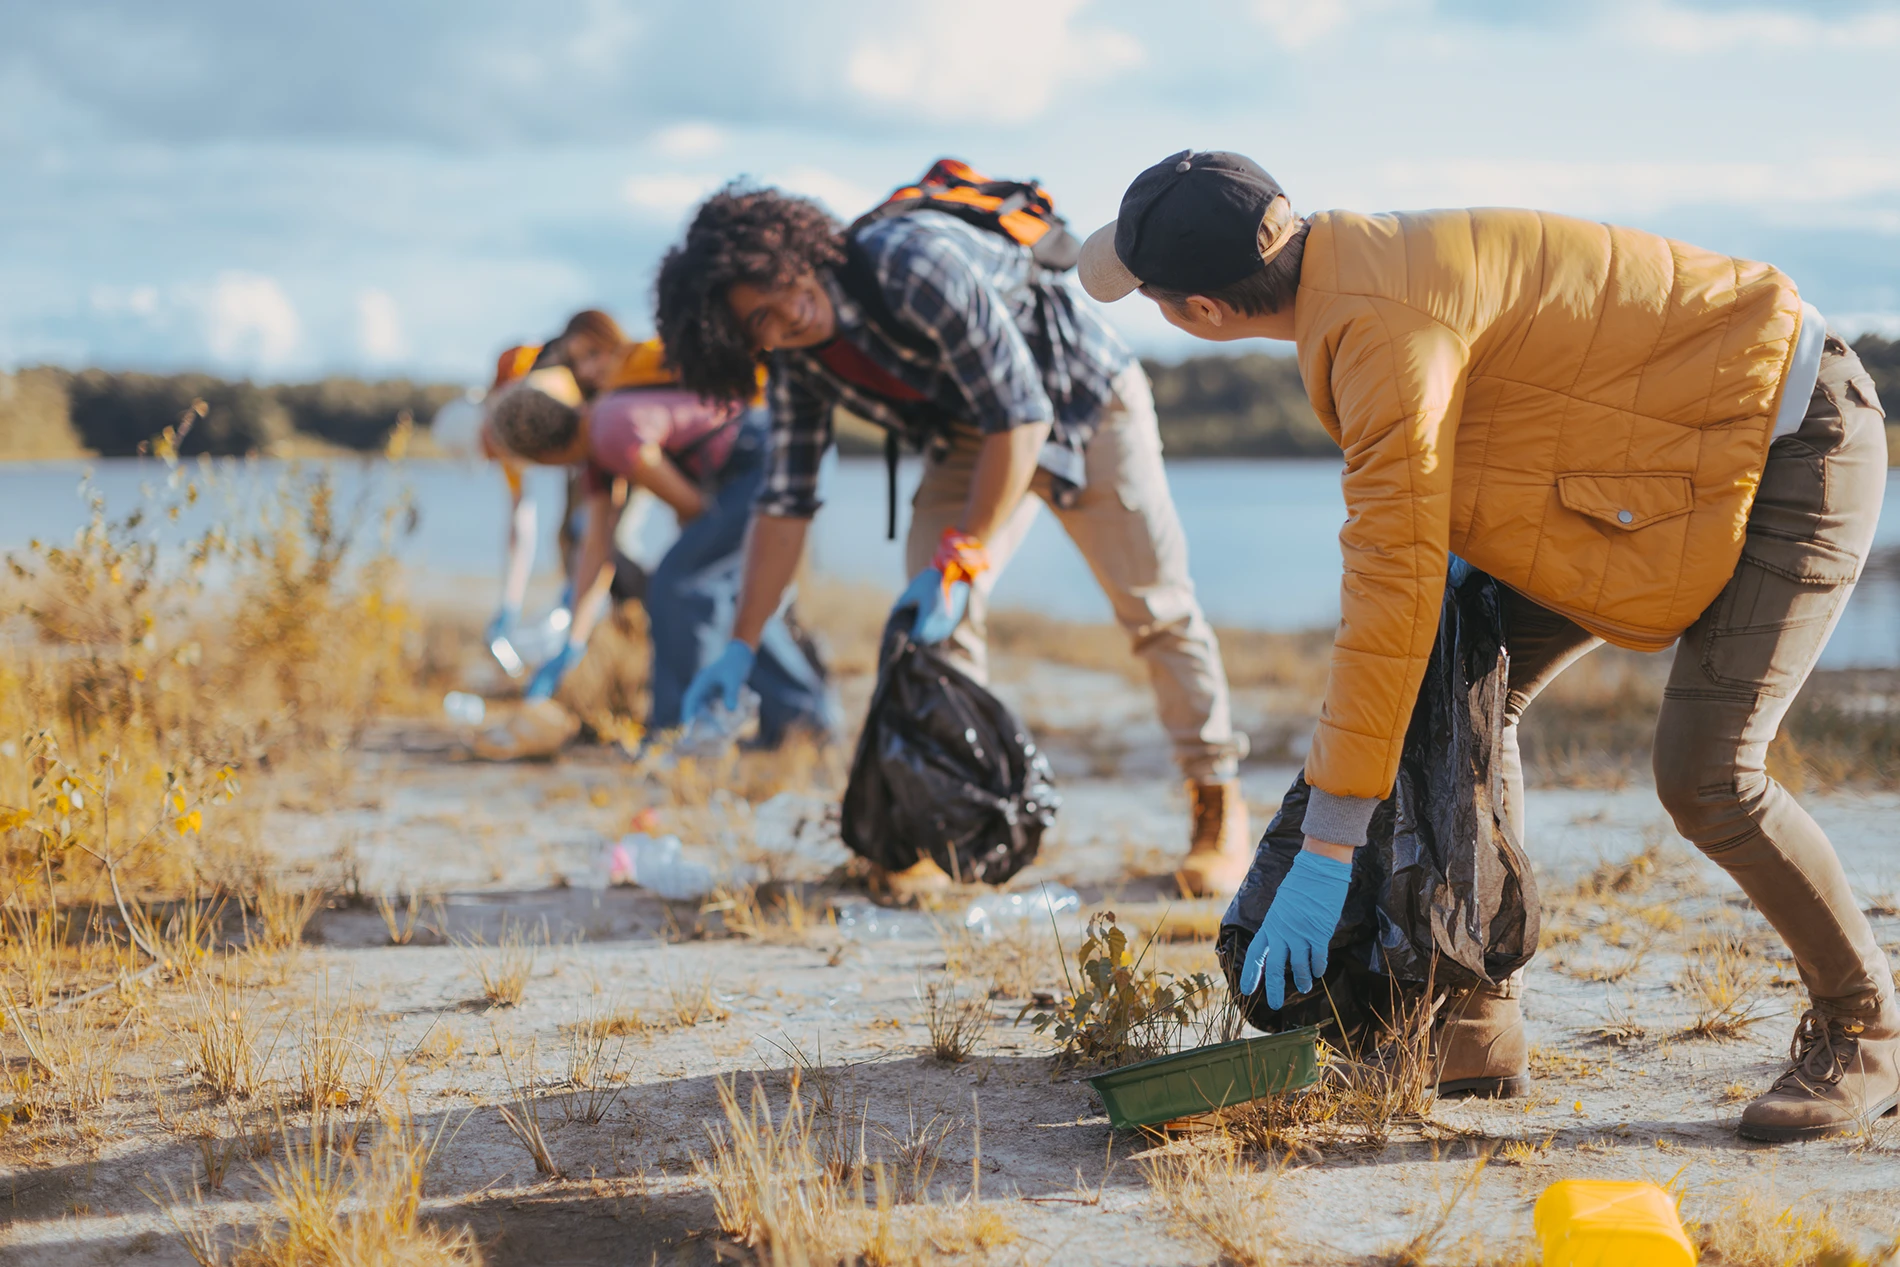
695	434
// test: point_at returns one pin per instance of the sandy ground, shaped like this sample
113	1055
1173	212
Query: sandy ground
517	847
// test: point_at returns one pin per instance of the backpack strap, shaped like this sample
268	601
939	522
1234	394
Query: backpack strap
857	277
891	451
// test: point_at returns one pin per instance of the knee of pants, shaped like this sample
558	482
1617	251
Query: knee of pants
1712	801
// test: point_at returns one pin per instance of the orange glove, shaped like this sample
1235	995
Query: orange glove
960	557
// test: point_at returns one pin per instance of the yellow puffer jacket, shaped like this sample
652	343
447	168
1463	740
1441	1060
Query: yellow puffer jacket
1579	410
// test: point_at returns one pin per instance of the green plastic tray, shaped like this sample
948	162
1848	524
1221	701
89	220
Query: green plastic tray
1209	1078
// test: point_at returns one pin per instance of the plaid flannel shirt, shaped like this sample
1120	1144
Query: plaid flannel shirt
1017	346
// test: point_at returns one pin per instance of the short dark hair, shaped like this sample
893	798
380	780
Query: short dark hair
1270	289
531	423
761	237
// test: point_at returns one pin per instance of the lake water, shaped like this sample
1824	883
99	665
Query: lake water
1263	535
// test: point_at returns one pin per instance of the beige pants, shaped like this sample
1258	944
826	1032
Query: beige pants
1737	670
1126	528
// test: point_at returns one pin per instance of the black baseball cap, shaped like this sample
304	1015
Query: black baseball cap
1196	221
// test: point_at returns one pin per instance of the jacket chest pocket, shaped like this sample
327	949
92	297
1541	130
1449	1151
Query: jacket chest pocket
1625	501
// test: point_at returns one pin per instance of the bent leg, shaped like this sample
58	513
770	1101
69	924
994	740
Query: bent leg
1739	667
938	504
1124	523
1540	644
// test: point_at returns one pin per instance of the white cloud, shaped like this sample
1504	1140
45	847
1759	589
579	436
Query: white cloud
1713	31
666	195
991	61
379	334
250	321
846	199
690	140
1298	23
1639	187
139	301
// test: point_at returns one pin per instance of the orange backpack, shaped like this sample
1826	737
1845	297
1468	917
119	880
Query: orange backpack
1017	209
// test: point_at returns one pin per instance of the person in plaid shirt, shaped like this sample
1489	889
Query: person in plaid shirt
956	340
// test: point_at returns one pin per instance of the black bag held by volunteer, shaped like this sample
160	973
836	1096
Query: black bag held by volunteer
943	769
1441	891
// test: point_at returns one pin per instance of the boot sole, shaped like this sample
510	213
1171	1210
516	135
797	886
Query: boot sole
1512	1088
1794	1134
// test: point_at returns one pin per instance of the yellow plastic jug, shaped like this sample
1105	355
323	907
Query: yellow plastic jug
1610	1223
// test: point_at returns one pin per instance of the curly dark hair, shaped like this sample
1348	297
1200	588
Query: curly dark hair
762	237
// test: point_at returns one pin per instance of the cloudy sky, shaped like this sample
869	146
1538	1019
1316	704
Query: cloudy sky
405	186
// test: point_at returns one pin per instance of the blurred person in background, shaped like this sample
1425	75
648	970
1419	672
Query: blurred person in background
706	461
461	428
1646	443
957	340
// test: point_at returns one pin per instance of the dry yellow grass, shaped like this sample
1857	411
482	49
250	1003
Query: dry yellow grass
1214	1193
504	970
783	1189
1758	1227
1723	983
223	1039
955	1021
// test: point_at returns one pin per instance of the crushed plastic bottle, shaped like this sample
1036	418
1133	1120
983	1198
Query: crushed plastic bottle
867	921
997	910
660	865
464	709
612	866
717	727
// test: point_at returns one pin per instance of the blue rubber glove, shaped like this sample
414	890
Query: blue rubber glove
549	675
503	624
724	676
1298	927
940	608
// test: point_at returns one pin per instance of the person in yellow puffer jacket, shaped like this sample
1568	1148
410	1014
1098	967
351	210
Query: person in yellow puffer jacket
1646	443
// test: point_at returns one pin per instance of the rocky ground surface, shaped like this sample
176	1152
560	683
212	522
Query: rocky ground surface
506	855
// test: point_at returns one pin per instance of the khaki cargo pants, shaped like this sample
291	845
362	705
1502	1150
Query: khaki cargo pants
1737	670
1125	525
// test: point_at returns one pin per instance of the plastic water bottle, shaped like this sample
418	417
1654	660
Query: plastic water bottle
994	910
661	866
867	921
717	727
464	709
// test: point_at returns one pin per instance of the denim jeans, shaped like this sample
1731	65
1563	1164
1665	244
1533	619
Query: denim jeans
693	593
1737	670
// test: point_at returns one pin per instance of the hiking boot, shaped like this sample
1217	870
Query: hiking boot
1480	1045
921	877
1841	1075
1222	847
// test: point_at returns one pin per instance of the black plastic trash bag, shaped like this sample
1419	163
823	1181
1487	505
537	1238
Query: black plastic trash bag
1442	891
944	769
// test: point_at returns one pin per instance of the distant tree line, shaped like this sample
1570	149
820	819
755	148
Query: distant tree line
47	412
1209	406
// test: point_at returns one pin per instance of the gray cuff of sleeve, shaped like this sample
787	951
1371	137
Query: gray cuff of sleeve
1341	820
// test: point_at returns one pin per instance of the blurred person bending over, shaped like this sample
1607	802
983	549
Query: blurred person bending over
1646	443
461	429
704	460
958	341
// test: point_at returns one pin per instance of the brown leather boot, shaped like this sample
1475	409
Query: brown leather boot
1841	1075
1479	1043
1222	846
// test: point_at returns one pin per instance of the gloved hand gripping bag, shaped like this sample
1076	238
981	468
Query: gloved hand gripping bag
1441	891
943	769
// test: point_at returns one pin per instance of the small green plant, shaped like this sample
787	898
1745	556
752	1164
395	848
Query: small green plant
1116	1010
